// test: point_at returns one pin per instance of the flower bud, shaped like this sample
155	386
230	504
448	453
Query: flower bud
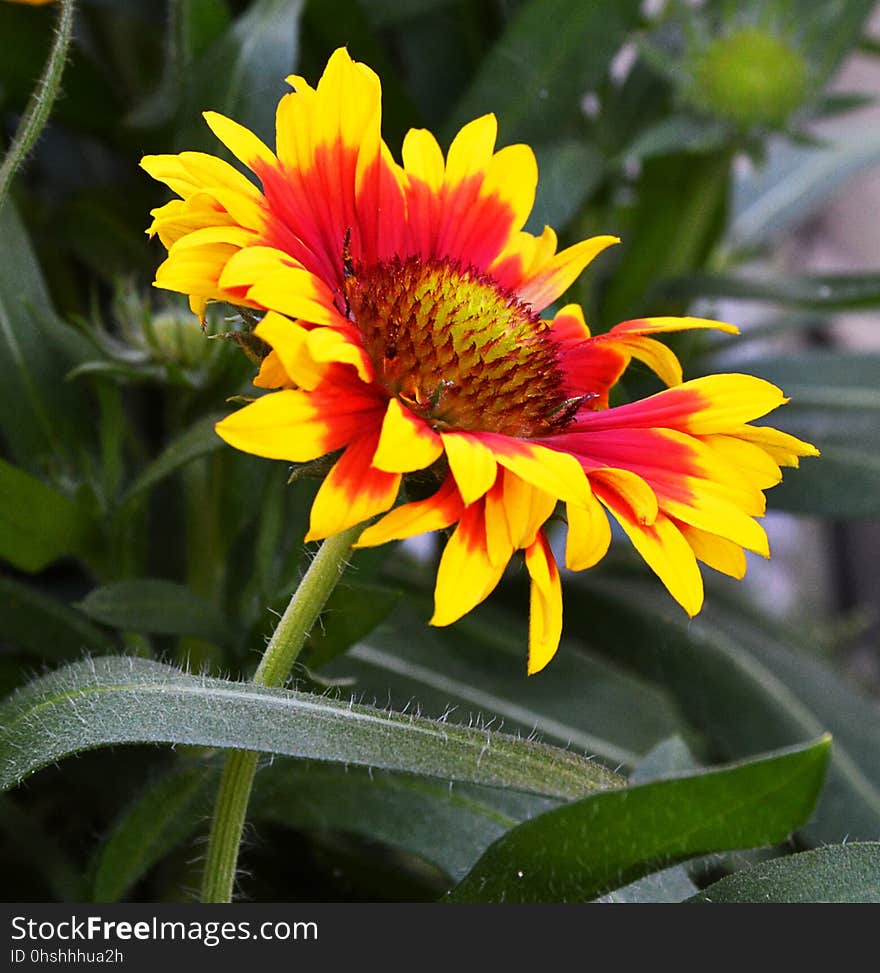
750	77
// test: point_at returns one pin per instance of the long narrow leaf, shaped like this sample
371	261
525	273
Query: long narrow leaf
124	700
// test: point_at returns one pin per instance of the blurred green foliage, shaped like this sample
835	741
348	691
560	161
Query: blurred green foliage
127	528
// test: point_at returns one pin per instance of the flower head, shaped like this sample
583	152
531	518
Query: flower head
402	307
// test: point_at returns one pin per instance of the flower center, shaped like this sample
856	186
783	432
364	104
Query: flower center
457	350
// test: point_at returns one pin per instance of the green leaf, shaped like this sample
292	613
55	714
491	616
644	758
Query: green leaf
677	133
156	606
166	814
838	873
788	664
794	184
583	849
744	687
677	218
837	292
37	524
670	757
386	12
551	52
832	32
569	170
39	625
448	825
835	404
475	671
40	415
201	22
27	844
242	74
121	700
365	44
189	445
845	486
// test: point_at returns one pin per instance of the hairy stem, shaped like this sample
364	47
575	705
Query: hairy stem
40	105
230	807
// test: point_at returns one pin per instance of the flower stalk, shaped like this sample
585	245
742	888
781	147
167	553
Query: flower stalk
233	794
43	98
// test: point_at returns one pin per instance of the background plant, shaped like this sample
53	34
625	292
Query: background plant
130	536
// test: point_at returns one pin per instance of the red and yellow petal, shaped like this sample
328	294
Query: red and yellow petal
514	513
352	492
441	510
466	574
556	473
701	406
540	285
328	142
299	426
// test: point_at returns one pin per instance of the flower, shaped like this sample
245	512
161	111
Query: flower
402	308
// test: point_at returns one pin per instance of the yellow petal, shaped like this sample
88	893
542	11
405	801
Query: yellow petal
421	517
512	176
589	535
240	141
545	605
253	263
406	443
471	149
297	293
749	459
423	158
306	353
657	356
782	447
272	374
729	400
556	473
668	555
715	515
545	283
649	325
721	554
471	462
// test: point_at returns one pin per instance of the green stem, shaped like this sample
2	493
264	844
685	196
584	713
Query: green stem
287	641
43	98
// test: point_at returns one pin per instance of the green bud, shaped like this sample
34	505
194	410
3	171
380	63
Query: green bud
750	77
176	338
